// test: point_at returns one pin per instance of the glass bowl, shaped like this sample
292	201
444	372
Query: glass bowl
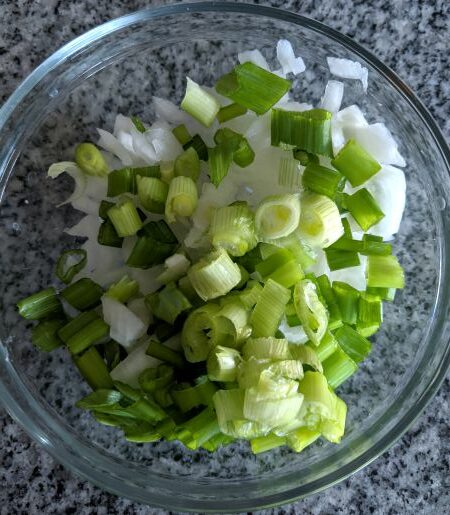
117	67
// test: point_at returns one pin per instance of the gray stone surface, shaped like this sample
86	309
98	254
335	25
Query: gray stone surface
413	476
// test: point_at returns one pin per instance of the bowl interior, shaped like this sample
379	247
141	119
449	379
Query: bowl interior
119	73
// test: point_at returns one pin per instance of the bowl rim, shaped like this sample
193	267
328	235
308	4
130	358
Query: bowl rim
400	427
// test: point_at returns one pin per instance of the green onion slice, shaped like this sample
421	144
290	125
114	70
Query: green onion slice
311	312
69	263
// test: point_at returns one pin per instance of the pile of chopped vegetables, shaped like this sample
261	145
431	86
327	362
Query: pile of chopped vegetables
236	260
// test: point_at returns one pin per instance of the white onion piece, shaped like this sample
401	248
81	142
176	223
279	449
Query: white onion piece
347	69
110	143
295	335
124	326
320	265
332	97
75	172
344	124
165	145
145	278
140	309
95	191
210	198
287	59
354	276
87	227
168	111
128	370
258	134
291	105
255	57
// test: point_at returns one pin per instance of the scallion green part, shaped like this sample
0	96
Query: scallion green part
76	324
45	335
197	143
352	343
370	314
322	180
252	87
160	351
327	346
125	218
103	208
267	443
124	180
220	158
305	158
123	290
310	310
269	309
40	305
384	272
306	130
107	235
191	396
338	367
364	208
334	312
156	378
347	298
200	104
181	133
382	293
355	163
83	294
152	193
69	263
93	333
230	112
168	303
92	367
339	259
89	158
137	122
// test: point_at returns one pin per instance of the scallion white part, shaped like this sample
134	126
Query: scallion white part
347	69
287	59
332	97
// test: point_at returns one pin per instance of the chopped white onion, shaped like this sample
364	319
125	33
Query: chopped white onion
124	326
145	278
332	97
287	59
347	69
255	57
295	334
110	143
291	105
77	175
128	370
168	111
344	124
87	227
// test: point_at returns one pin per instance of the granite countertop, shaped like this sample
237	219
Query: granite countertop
411	37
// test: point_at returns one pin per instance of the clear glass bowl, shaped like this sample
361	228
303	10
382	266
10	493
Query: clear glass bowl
117	67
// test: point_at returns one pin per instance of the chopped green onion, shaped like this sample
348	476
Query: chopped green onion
233	229
229	405
199	395
201	428
382	293
127	391
83	294
152	193
93	333
310	310
266	443
125	218
155	243
352	343
334	313
322	180
168	303
252	87
181	199
230	112
355	163
364	208
197	143
307	130
107	235
40	305
384	272
306	355
370	314
89	158
159	351
124	180
267	348
300	438
228	139
155	378
217	441
76	324
305	158
137	122
271	412
70	263
176	267
181	133
277	216
289	173
123	290
222	364
339	259
320	220
219	160
111	353
199	103
281	267
365	246
303	254
45	335
338	367
214	275
103	209
269	309
102	398
328	344
347	298
92	367
238	315
145	409
250	295
187	164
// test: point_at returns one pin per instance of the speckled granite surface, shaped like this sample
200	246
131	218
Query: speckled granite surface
413	477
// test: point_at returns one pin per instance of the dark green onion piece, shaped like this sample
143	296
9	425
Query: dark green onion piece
181	133
111	352
327	346
45	335
89	158
219	159
305	158
252	87
197	143
40	305
322	180
69	263
243	154
93	369
384	272
229	112
83	294
138	124
355	163
199	429
334	313
91	334
338	367
127	391
107	235
347	298
168	303
124	180
103	209
145	409
199	395
164	353
382	293
187	164
101	398
338	259
364	208
352	343
308	130
370	314
365	246
155	243
76	324
155	378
